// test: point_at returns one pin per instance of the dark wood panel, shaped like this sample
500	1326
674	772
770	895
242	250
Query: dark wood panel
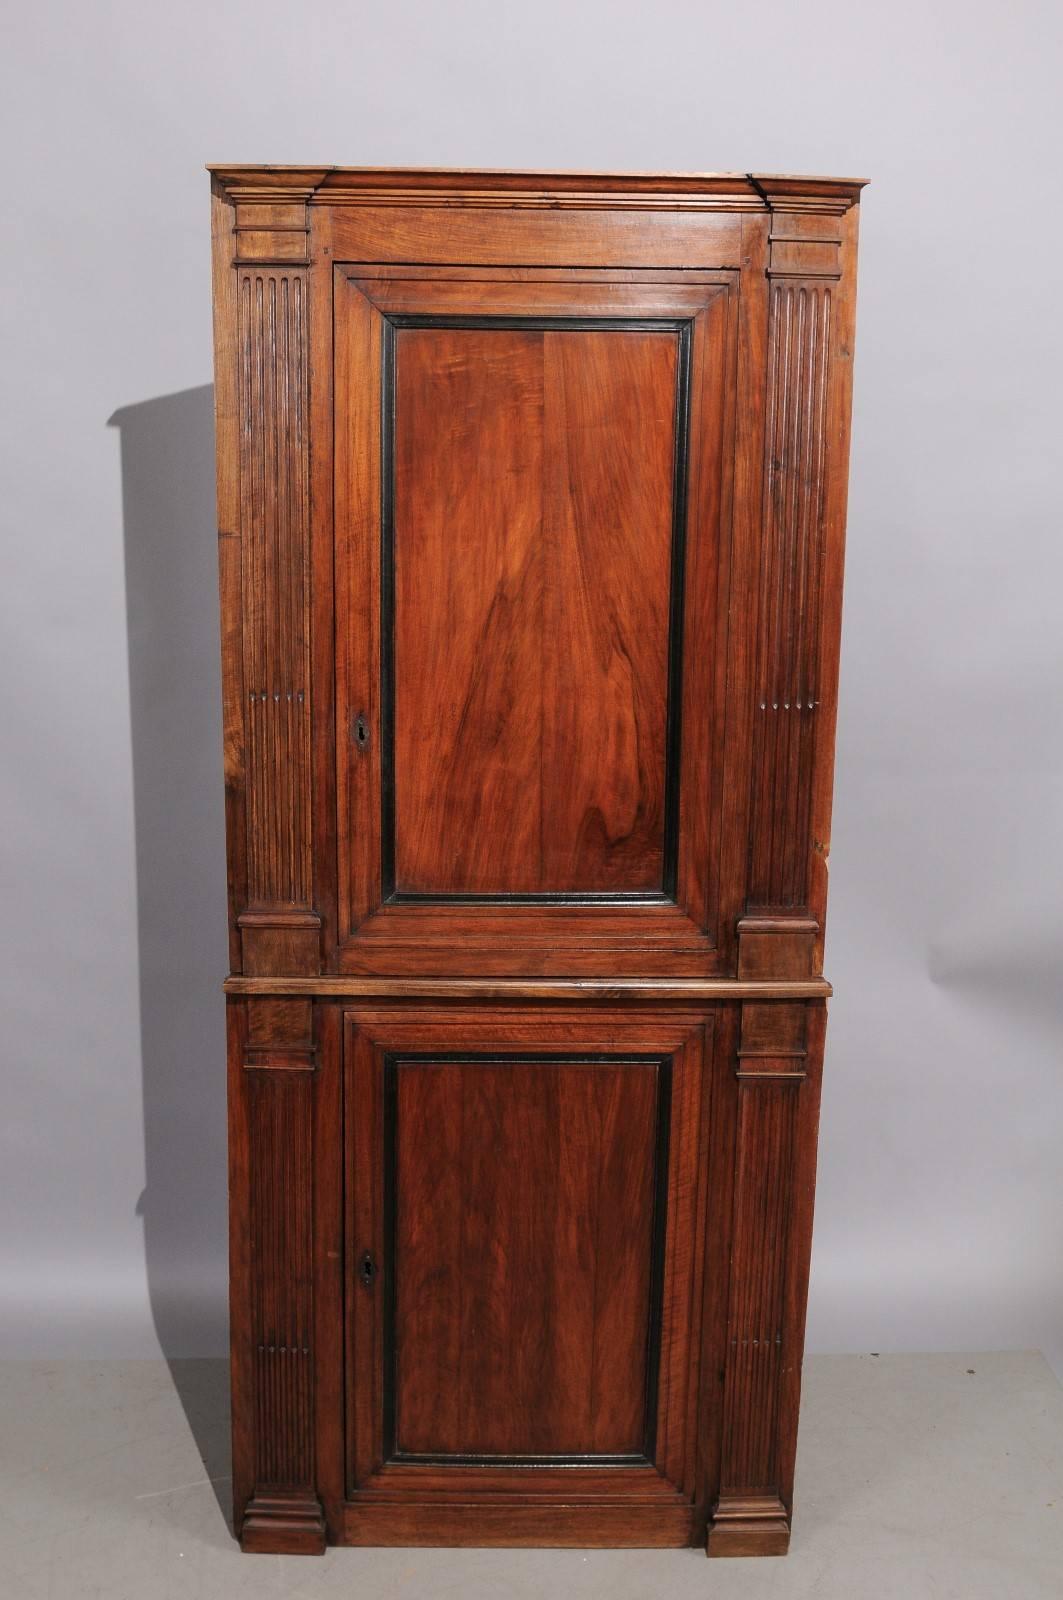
427	1260
468	575
606	551
532	595
524	1257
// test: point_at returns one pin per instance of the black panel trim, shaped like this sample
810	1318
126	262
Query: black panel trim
387	612
389	1347
680	474
562	897
402	1459
682	328
658	1242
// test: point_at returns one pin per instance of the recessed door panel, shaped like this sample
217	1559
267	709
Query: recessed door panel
535	508
523	1192
531	473
526	1304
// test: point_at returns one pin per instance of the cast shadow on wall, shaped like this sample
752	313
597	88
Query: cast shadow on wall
167	450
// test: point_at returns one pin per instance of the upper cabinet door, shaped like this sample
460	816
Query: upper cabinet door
532	487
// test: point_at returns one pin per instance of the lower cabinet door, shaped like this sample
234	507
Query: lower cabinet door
525	1203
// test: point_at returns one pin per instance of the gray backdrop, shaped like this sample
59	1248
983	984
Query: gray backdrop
939	1215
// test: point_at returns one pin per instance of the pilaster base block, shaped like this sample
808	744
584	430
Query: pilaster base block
749	1525
776	947
283	1525
280	942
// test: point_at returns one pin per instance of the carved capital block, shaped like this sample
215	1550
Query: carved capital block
803	245
272	223
272	233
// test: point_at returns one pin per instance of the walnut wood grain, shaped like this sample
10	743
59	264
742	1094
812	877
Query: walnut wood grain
524	1195
521	515
531	515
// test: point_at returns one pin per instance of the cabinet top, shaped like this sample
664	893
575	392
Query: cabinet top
724	191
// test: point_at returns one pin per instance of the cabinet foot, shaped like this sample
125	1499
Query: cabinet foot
283	1524
749	1525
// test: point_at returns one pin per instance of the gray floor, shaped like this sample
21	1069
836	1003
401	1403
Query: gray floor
918	1476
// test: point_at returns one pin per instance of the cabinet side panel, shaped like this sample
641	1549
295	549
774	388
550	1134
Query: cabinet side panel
227	444
241	1332
795	1299
835	506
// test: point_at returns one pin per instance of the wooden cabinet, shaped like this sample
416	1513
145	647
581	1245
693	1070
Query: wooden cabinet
531	502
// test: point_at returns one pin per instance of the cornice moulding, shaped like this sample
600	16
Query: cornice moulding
435	186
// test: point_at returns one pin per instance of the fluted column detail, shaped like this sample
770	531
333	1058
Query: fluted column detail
275	517
787	677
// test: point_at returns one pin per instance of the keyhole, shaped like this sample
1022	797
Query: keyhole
361	731
367	1270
